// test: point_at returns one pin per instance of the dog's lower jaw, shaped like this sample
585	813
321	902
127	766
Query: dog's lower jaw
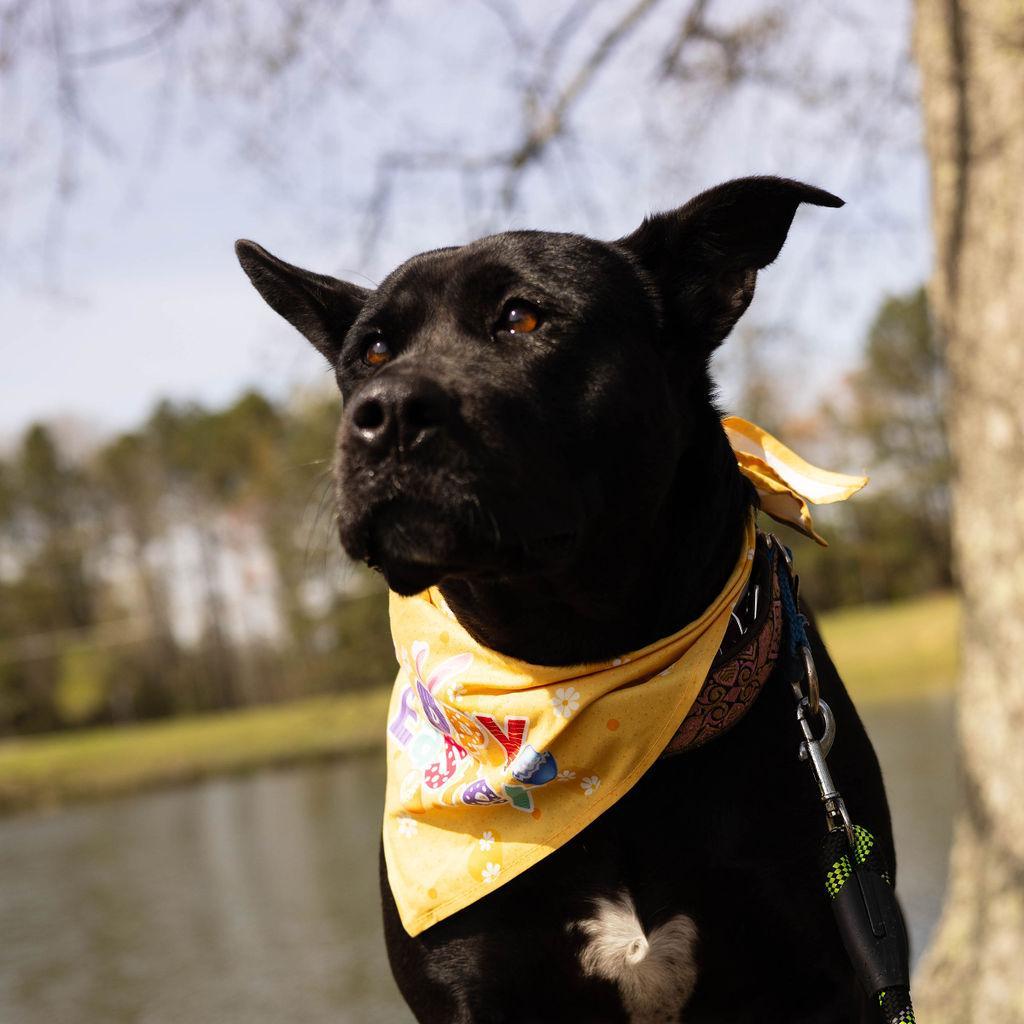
619	597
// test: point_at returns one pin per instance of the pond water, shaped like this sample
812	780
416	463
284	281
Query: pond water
254	900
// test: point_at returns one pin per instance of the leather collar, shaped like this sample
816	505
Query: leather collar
747	657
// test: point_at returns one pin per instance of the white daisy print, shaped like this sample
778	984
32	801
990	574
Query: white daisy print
565	701
407	826
566	774
486	841
455	692
491	871
589	784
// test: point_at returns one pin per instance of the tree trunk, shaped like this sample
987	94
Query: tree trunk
971	55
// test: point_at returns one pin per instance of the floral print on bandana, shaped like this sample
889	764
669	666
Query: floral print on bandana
566	701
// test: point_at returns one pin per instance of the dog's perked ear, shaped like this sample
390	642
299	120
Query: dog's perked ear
321	307
704	256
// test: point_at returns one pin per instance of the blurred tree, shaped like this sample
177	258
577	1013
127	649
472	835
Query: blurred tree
302	549
972	65
899	408
199	475
83	683
51	530
897	415
55	513
893	541
130	482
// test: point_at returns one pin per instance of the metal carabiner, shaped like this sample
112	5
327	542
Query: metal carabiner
810	673
814	750
813	690
772	539
826	739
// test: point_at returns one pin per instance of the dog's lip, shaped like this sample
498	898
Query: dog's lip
412	572
418	541
411	577
547	544
493	562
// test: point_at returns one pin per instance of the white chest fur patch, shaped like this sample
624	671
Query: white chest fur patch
655	973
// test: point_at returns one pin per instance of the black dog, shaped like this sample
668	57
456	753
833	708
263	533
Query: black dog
529	423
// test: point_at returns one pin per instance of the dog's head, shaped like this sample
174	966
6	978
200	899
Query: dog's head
515	405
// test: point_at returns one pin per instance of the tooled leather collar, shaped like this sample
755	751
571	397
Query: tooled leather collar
744	662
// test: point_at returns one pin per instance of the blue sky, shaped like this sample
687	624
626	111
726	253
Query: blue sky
142	297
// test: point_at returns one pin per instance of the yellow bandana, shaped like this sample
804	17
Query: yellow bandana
785	483
493	763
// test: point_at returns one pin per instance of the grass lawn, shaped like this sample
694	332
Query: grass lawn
895	651
884	652
49	770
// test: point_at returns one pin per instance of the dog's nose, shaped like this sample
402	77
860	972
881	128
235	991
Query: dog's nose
400	412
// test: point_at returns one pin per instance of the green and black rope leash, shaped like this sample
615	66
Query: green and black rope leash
857	879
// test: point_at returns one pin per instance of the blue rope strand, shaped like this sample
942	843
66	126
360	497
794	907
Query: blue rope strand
795	622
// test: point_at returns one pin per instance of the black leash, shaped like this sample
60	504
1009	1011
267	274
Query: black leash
857	879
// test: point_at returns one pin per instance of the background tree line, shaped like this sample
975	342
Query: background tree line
191	565
186	566
892	540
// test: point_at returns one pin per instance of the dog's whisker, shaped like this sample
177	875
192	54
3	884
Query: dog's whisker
325	485
495	527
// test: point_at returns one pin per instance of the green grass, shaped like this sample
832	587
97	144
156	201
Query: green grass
895	651
884	652
50	770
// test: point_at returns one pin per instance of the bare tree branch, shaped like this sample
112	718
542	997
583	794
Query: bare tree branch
687	28
551	123
547	121
547	111
172	19
252	69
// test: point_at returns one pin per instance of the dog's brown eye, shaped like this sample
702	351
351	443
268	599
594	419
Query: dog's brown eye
377	353
519	317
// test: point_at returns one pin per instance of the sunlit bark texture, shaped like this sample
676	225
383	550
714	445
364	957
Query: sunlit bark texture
971	55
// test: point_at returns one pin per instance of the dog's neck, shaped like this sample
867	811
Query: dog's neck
663	575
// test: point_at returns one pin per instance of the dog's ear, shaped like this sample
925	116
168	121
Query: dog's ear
704	256
322	308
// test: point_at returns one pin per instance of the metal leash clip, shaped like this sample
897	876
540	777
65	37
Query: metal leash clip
814	750
814	702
